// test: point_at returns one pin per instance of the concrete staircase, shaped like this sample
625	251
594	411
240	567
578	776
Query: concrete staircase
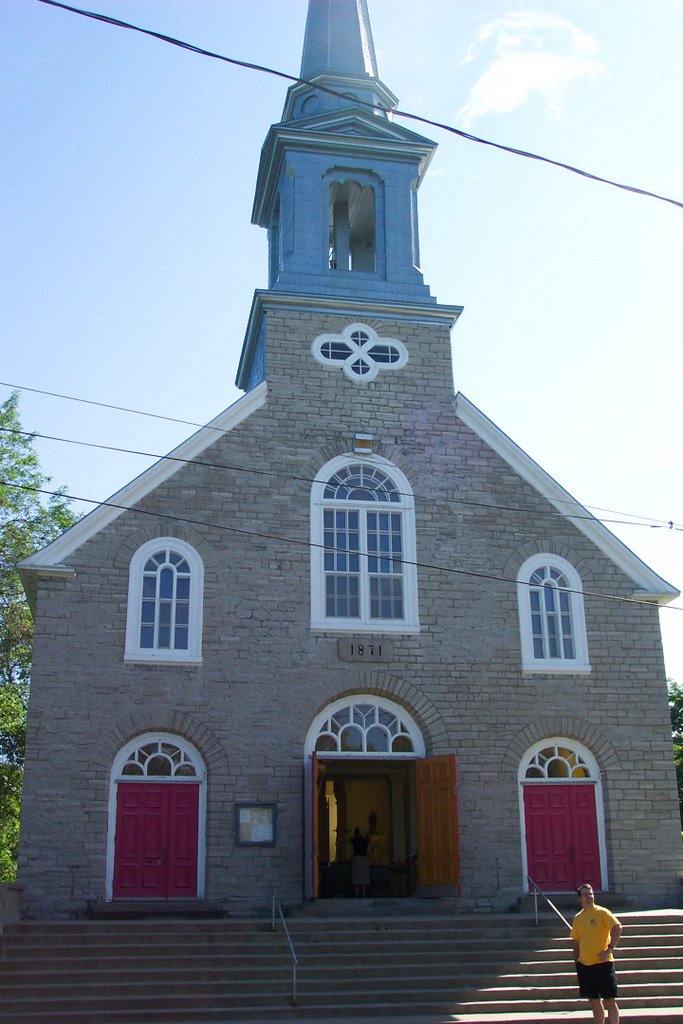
371	964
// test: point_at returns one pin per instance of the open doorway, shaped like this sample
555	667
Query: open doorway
365	767
378	798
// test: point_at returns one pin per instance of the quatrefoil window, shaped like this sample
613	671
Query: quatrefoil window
360	352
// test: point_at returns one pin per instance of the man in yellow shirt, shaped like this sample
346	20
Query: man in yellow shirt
595	934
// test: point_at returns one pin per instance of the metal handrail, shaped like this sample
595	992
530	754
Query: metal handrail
539	892
277	905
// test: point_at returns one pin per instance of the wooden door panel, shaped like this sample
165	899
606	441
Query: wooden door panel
437	822
156	842
586	840
183	841
561	836
315	843
140	824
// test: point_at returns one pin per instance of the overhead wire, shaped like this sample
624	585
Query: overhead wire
648	523
308	544
652	521
116	22
395	112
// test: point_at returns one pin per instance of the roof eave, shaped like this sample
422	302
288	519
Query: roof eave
649	587
50	559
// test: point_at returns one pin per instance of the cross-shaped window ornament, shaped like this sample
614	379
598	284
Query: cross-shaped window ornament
360	352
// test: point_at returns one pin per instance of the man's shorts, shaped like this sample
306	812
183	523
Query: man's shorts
597	981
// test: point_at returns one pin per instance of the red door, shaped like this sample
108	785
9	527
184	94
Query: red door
562	836
156	840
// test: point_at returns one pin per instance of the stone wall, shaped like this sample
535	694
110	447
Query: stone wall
244	506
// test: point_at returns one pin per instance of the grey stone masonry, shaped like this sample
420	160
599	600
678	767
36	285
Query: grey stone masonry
244	506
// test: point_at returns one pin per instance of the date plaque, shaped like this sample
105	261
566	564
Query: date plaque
365	650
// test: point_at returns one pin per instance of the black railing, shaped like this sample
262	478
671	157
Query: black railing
277	909
539	892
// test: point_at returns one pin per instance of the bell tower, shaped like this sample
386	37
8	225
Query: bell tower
337	185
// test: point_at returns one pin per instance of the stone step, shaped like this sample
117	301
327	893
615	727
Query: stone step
206	972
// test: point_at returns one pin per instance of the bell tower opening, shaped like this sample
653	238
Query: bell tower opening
352	227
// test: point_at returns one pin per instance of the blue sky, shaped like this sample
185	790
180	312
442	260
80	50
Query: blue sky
129	261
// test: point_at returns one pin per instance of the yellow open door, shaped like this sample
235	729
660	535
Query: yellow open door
437	823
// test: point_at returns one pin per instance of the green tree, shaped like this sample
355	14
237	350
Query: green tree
676	708
28	521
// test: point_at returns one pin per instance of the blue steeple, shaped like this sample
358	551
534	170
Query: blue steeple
338	179
339	54
338	39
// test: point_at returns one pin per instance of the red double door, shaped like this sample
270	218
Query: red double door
563	848
157	829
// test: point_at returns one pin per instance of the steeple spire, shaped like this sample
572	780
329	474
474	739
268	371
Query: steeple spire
338	40
338	54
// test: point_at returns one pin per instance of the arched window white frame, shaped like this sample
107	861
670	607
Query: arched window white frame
165	595
363	573
559	760
364	726
158	757
551	616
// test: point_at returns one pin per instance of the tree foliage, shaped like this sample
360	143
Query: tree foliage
28	521
676	708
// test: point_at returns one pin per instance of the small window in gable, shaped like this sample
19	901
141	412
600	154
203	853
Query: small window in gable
363	573
359	352
165	593
352	234
551	616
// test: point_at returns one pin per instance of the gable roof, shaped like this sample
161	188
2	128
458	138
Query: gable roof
649	586
50	560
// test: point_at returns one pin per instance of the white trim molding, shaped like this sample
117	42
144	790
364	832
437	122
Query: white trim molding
648	586
191	653
53	555
190	756
594	778
566	616
404	509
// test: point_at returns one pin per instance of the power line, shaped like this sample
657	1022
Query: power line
254	471
108	405
649	520
396	112
259	535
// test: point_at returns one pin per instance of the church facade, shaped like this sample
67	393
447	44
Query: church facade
349	601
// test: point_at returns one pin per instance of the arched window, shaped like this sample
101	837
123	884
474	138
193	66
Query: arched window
165	587
558	761
363	547
365	726
551	616
159	759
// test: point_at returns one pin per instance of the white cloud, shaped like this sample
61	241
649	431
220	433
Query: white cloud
527	52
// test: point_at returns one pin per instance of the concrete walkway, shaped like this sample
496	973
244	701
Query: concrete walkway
644	1016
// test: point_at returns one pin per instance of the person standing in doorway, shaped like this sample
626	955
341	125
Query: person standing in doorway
595	935
360	863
